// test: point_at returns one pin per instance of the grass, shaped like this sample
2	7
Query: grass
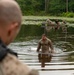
36	20
46	17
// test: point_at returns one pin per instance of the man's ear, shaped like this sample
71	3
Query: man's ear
12	27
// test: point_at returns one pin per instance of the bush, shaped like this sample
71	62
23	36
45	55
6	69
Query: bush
68	14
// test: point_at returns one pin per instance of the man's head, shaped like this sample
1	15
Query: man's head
56	21
48	21
10	20
44	37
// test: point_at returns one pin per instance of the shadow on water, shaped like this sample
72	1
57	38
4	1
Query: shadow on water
27	41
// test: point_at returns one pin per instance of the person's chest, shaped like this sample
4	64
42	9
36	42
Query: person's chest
44	43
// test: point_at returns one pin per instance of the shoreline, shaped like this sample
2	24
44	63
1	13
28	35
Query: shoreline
37	20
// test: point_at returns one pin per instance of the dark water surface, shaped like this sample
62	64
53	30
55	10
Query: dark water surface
63	59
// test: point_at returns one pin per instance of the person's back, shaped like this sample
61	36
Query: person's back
10	23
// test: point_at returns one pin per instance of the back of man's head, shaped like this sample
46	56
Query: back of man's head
9	12
10	20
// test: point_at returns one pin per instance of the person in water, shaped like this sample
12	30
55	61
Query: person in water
10	23
57	24
64	26
46	46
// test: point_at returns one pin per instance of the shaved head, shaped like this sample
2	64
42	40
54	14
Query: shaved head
9	12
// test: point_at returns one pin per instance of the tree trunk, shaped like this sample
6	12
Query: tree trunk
46	5
66	5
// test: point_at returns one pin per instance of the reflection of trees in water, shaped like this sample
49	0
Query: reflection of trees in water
70	57
68	46
29	32
65	46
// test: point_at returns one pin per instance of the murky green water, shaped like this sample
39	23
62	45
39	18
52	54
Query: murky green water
63	59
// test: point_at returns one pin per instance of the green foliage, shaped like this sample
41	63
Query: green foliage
71	5
68	14
31	7
31	30
57	6
37	7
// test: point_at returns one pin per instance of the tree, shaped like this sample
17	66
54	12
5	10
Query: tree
66	5
34	7
71	5
46	5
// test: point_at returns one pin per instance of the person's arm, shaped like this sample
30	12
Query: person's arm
39	46
51	46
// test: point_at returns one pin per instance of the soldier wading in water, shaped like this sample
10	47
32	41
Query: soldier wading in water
46	47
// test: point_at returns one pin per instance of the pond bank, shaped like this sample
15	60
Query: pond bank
46	17
37	20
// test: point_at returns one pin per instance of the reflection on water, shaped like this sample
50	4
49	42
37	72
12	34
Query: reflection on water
61	62
29	48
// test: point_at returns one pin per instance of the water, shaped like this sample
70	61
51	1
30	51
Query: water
62	61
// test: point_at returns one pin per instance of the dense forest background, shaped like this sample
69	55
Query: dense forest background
47	7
